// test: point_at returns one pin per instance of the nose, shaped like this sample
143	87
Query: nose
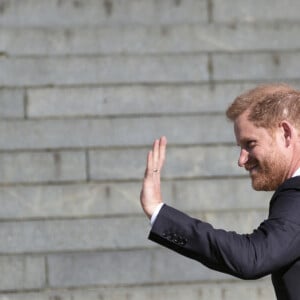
244	155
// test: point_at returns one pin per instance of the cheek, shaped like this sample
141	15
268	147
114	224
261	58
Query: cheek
256	154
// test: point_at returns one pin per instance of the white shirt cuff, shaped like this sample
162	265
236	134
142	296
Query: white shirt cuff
156	212
297	173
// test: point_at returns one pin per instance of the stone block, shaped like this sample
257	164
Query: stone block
122	198
105	233
255	11
256	290
68	13
256	66
11	103
241	222
125	268
204	195
154	39
114	132
73	235
69	200
41	71
189	162
42	167
132	100
22	273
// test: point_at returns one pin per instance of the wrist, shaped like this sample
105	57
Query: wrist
155	213
150	210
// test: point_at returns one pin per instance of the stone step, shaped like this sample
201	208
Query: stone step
261	289
131	100
140	40
116	164
72	13
125	268
83	200
102	70
22	273
104	234
255	10
187	162
114	132
12	103
162	69
26	167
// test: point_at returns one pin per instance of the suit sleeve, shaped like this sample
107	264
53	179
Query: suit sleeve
274	244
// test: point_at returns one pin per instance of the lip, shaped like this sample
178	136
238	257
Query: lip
252	169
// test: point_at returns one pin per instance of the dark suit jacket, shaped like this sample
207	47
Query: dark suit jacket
272	248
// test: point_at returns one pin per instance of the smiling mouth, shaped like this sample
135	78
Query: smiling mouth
252	168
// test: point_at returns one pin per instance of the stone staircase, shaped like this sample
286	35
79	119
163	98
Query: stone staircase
85	87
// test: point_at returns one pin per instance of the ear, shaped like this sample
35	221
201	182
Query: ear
288	132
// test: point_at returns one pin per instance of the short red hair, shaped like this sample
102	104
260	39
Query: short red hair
268	105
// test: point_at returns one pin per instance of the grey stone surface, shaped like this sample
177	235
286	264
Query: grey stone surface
69	200
256	290
256	66
85	87
240	222
11	104
112	132
51	13
105	234
204	195
187	162
42	167
73	235
22	272
121	199
43	71
149	39
131	100
255	10
123	267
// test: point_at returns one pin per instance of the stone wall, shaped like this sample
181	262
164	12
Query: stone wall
86	85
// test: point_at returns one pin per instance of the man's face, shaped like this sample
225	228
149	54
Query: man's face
262	154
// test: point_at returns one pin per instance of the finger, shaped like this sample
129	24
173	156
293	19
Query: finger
155	155
162	151
149	167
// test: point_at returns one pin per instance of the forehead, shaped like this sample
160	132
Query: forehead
245	130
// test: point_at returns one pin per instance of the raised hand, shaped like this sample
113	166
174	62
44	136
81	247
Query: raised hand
151	193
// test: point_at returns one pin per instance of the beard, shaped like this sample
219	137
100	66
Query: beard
268	173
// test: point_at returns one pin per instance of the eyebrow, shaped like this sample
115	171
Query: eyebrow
245	140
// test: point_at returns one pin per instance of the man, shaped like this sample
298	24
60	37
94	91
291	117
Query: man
267	129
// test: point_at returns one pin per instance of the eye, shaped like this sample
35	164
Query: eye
250	144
